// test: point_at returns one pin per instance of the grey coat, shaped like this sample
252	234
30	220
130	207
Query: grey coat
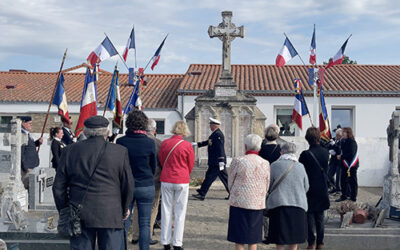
292	190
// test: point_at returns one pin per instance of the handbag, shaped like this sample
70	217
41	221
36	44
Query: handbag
69	223
172	149
322	169
265	213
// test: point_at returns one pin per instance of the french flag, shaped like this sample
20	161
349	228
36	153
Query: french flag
156	56
286	54
114	99
134	100
130	44
313	56
338	58
88	101
104	51
60	99
300	107
324	129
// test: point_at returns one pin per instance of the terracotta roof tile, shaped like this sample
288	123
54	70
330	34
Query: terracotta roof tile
37	87
340	80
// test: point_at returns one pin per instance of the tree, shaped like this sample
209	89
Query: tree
346	60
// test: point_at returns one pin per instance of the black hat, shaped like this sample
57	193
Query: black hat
96	122
25	118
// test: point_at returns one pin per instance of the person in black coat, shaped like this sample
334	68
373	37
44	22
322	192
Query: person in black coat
216	159
335	165
68	137
270	149
350	164
109	192
29	155
315	161
57	145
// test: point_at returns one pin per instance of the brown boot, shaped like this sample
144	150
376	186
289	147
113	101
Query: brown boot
311	247
320	246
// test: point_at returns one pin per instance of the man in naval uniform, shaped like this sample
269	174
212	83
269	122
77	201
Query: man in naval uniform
216	159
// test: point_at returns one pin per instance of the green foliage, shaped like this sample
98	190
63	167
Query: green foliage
346	60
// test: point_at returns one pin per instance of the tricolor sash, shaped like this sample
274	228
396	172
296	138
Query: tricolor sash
353	162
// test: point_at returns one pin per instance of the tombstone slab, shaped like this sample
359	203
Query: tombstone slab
41	181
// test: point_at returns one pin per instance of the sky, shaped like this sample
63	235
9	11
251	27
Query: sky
35	33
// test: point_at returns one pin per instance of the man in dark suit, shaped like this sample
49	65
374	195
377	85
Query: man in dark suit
110	190
29	154
216	159
68	137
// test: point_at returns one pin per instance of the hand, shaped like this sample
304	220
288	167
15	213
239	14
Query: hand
40	140
127	215
116	131
28	170
194	144
221	166
332	152
332	142
339	157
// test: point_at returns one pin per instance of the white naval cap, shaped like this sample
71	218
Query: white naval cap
214	121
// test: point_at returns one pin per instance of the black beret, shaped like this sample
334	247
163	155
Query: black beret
25	118
97	121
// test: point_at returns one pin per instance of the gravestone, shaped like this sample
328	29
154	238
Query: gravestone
5	167
40	188
237	111
391	183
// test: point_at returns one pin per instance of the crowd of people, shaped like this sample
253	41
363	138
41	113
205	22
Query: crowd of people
274	196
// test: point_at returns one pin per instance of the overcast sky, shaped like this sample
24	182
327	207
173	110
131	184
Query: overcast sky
35	33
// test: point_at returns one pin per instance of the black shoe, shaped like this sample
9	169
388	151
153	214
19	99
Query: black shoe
153	242
178	248
332	191
198	196
198	190
227	198
266	242
134	242
341	199
167	247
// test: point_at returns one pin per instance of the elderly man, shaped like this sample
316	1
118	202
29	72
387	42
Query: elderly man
151	132
97	175
68	137
29	154
216	159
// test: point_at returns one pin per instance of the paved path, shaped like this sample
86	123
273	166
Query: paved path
207	221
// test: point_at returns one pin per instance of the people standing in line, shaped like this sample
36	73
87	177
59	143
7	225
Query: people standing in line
216	159
270	151
177	159
29	154
350	164
287	202
143	159
248	178
104	197
335	164
57	145
68	137
151	133
315	161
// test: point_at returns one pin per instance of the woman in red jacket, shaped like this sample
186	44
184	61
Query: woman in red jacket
177	159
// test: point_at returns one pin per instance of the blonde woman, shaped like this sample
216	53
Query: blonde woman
177	159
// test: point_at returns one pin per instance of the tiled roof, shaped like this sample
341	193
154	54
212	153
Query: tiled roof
37	87
340	80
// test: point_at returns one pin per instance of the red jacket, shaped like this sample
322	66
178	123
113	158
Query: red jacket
180	163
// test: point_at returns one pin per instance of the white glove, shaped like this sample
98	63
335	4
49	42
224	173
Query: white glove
116	131
332	142
332	152
221	166
194	144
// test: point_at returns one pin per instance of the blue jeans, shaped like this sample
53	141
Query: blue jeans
144	197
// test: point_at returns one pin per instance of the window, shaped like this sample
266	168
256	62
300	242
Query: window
160	127
342	117
5	126
284	121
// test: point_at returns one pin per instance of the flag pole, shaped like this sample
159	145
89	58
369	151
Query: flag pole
118	53
52	96
315	100
109	91
135	45
153	56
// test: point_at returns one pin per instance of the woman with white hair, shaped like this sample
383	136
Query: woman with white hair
287	201
248	182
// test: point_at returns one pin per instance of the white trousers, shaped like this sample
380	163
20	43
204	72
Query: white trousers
174	199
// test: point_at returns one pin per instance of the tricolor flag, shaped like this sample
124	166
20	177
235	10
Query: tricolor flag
286	54
313	56
104	51
338	58
130	44
60	99
114	99
300	107
156	56
323	117
89	100
134	99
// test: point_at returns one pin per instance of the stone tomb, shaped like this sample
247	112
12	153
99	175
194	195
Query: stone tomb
5	167
40	188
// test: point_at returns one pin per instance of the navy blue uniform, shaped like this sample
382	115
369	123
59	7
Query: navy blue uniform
68	137
216	154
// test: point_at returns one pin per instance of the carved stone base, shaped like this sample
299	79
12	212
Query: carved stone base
391	192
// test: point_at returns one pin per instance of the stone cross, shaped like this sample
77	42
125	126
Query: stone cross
393	134
41	178
226	32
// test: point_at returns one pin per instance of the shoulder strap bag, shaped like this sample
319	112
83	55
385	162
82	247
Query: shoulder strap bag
172	149
322	169
69	224
280	180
